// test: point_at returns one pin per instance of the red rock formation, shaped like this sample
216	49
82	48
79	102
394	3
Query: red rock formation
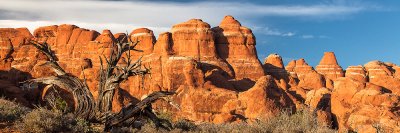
236	44
307	76
195	39
312	80
329	67
273	65
146	40
302	68
164	44
11	39
359	106
381	74
290	68
215	73
274	60
263	100
357	73
319	99
377	69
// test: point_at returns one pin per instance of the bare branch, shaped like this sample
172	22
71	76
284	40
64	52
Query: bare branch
45	48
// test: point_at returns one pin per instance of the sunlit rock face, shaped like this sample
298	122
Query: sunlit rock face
329	67
273	65
215	73
236	44
357	73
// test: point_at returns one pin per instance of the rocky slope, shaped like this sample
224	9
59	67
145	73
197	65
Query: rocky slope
215	73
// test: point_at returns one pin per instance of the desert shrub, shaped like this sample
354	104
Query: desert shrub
43	120
11	111
302	121
55	101
165	115
185	125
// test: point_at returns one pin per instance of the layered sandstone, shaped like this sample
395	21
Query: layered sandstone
367	101
195	39
236	45
382	74
329	67
357	73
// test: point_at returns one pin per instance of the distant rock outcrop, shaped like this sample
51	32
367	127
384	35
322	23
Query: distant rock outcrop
329	67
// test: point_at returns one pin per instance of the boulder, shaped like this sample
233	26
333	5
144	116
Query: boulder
351	98
263	100
273	65
381	74
357	73
319	99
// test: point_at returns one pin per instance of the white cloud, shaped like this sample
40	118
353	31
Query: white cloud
120	16
289	34
115	27
314	37
307	36
272	32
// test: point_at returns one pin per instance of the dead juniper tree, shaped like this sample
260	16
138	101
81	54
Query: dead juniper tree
111	76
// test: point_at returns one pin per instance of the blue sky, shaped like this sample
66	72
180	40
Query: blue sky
358	31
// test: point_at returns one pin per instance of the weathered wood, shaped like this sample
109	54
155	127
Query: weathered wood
110	77
132	110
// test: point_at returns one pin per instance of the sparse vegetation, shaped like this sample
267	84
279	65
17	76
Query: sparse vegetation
42	120
300	122
11	111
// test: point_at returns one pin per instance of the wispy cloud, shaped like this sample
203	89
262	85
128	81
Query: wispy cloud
313	37
307	36
272	32
120	15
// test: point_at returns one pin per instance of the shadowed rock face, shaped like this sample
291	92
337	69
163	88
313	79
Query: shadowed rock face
236	45
215	73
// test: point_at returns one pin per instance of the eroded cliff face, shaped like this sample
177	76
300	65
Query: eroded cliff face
215	73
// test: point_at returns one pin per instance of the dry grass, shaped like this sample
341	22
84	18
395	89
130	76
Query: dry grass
43	120
11	111
300	122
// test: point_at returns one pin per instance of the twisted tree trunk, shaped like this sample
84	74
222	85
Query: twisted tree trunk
110	78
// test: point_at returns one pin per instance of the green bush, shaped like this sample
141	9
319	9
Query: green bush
11	111
43	120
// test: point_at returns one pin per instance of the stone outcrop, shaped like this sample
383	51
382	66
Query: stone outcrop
361	106
273	65
357	73
263	100
329	67
215	73
382	74
236	45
